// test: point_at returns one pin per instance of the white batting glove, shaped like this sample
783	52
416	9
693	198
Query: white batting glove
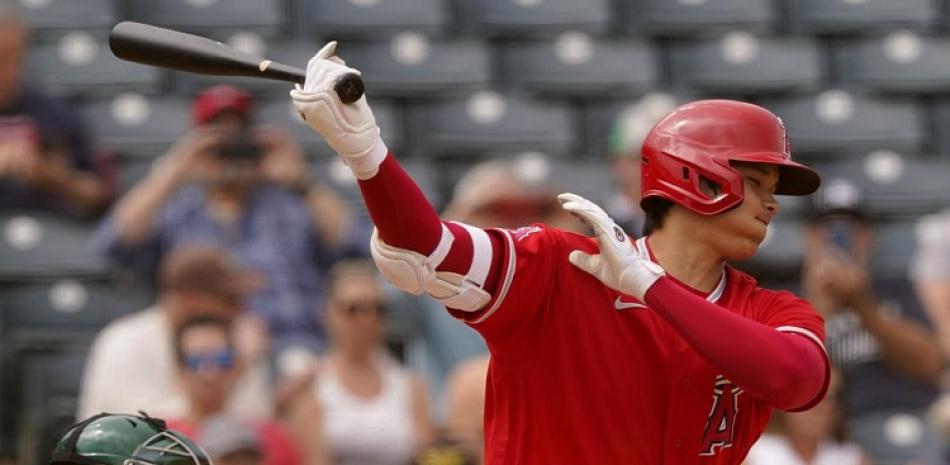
349	128
619	265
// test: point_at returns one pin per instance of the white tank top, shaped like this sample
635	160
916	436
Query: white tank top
775	450
376	431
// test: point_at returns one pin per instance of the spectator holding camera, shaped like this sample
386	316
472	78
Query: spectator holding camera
877	333
47	160
244	188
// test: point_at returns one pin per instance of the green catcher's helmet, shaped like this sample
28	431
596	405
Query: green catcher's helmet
108	439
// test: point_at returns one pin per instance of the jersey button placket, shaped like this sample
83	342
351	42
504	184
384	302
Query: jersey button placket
687	383
677	443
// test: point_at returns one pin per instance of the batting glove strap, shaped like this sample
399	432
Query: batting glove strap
350	129
620	264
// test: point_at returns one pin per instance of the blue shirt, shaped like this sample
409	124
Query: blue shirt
276	237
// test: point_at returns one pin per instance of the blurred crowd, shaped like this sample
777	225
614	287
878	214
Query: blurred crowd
268	340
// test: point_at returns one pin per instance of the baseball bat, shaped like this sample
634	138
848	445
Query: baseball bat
156	46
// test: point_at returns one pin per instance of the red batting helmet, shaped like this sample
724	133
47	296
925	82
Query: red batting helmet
700	139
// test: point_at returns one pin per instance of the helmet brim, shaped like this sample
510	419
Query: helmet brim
794	178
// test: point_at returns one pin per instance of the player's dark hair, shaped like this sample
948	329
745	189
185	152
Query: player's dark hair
656	210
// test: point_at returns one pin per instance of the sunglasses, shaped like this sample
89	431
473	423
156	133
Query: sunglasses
222	360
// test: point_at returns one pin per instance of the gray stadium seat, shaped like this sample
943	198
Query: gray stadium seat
65	312
80	63
281	112
688	17
834	122
899	62
375	18
740	63
200	16
858	17
50	387
34	245
46	16
575	65
290	53
412	65
485	122
896	185
136	125
895	242
521	18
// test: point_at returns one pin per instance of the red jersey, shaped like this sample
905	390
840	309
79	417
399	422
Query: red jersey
582	374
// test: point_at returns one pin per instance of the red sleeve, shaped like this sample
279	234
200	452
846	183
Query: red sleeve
526	274
786	368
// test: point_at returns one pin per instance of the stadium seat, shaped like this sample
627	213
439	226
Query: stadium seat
281	112
859	17
740	63
136	125
898	62
80	63
50	387
412	65
638	117
689	17
895	242
544	18
485	122
375	18
54	15
37	245
836	121
201	16
895	185
66	312
293	53
575	65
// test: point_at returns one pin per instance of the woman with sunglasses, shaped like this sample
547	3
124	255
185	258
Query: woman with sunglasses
371	409
208	366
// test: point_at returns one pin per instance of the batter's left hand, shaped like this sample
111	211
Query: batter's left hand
619	265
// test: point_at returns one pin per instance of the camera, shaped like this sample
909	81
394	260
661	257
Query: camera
241	148
840	232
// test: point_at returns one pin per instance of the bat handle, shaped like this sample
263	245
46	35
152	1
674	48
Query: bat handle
349	88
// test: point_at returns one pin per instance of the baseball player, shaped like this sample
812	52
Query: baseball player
610	350
108	439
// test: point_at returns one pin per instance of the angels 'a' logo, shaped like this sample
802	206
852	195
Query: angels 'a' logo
721	422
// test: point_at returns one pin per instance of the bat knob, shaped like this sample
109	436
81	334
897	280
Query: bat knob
349	88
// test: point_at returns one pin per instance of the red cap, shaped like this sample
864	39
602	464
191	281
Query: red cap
214	100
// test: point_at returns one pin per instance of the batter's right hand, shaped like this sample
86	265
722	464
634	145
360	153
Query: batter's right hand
349	128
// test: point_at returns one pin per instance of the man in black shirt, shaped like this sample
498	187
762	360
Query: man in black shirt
878	335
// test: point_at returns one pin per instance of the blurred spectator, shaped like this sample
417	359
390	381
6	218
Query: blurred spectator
877	332
46	155
443	452
808	438
373	410
208	366
247	189
466	404
131	365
